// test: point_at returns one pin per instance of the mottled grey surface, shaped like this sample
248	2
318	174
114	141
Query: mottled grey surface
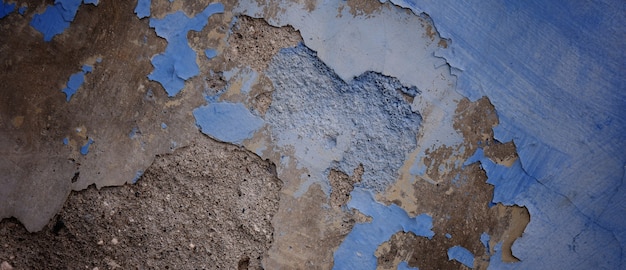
366	121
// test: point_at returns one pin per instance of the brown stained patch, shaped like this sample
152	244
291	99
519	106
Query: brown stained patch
207	206
254	43
461	209
307	231
475	121
501	153
342	184
261	95
363	8
443	43
457	197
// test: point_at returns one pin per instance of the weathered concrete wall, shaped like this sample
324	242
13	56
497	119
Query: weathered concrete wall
376	117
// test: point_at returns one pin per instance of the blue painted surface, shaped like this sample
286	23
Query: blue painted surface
66	141
138	175
178	62
555	73
448	235
461	255
484	238
357	250
227	122
84	150
405	266
75	81
56	18
6	9
210	53
134	133
21	10
143	8
163	125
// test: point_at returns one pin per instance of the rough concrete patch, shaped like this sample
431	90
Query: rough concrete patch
206	206
342	184
253	42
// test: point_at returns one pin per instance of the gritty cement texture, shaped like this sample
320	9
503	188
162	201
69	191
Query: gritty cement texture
206	206
286	134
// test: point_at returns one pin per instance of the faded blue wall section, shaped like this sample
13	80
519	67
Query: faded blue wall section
555	73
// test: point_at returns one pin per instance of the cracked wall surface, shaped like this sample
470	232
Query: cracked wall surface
311	134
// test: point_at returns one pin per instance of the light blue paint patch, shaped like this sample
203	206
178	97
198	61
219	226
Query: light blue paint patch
99	60
21	10
6	9
448	235
335	124
66	141
84	150
163	125
227	122
75	81
87	69
93	2
143	8
138	175
484	238
134	133
178	63
462	255
249	79
418	168
210	53
358	248
403	265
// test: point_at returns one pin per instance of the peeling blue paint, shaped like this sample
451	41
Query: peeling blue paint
484	238
66	141
227	122
178	63
84	150
163	125
403	265
210	53
558	90
143	8
358	248
448	235
462	255
138	175
6	9
21	10
56	18
75	81
134	133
